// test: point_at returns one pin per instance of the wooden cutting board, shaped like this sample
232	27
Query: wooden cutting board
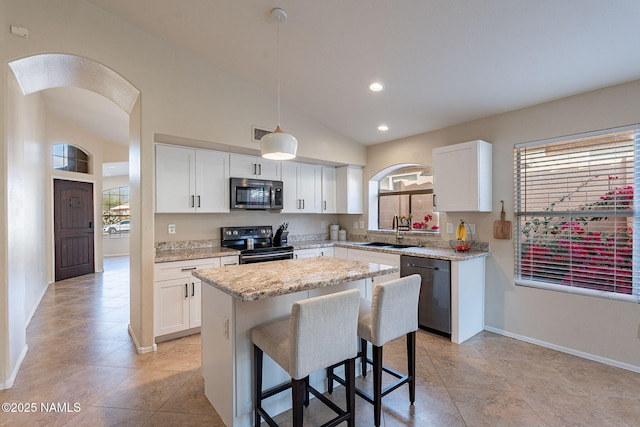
502	228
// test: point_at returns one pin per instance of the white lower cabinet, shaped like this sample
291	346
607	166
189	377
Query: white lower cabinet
312	253
178	294
375	258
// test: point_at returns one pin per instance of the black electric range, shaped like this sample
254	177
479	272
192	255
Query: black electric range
254	243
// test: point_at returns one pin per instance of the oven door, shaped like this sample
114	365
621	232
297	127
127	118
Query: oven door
252	258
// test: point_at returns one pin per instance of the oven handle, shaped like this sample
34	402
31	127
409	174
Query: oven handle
265	256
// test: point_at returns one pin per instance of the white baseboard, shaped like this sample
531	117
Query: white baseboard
139	348
14	373
571	351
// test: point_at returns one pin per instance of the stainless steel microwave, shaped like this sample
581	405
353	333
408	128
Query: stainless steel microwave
258	194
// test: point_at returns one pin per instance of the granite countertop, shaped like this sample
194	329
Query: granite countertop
247	283
439	252
183	254
438	249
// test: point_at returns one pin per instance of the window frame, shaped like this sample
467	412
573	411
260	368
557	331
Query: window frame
410	193
520	199
80	157
120	233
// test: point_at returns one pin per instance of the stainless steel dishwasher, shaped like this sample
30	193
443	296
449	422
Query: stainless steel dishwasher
434	306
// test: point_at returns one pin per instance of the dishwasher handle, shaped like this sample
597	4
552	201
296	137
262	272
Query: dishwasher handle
427	267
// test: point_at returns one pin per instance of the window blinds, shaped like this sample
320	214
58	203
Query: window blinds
576	213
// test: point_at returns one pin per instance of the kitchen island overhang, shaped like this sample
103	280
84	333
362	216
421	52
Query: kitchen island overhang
250	282
237	298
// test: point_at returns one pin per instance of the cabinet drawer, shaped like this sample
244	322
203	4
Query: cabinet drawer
227	261
181	269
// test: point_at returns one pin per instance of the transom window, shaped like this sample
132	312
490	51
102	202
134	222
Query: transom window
407	193
576	213
70	158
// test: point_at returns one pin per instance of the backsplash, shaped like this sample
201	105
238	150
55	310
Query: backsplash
187	244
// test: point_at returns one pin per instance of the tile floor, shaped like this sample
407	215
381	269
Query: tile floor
80	353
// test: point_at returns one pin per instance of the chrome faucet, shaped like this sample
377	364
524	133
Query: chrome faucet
396	226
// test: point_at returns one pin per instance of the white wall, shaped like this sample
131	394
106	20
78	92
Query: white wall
602	329
207	226
25	223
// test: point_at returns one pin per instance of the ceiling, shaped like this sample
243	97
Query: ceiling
442	62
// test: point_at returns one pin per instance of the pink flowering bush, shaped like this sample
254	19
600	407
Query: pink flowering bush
564	251
424	225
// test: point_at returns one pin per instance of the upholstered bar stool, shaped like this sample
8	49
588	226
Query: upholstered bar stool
320	332
392	313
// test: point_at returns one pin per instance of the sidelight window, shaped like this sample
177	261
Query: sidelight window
576	213
116	213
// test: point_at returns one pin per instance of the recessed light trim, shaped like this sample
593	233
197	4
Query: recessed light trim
383	128
376	87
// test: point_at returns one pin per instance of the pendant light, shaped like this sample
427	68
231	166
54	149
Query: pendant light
278	145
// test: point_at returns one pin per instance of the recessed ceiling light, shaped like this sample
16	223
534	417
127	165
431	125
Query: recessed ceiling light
376	87
383	128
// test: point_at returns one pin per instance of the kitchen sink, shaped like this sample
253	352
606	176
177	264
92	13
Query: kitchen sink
376	244
388	245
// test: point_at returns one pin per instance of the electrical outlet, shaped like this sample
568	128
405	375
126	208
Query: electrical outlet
449	228
472	228
171	229
323	224
362	225
639	332
355	225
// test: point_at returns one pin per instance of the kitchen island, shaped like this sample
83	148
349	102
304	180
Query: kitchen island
237	298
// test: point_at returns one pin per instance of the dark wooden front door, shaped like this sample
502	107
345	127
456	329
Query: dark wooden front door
74	228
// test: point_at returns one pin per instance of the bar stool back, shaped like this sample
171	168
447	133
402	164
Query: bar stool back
320	332
392	313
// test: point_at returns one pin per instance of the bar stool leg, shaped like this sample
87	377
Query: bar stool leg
330	380
350	376
411	365
363	359
306	392
298	392
377	384
257	390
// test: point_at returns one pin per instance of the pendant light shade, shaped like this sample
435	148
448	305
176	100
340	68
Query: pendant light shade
278	145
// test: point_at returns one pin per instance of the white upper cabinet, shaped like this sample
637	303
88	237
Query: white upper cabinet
349	189
242	166
191	180
302	185
329	189
462	177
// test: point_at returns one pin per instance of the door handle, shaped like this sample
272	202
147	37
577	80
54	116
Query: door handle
193	201
193	289
434	200
186	290
198	200
260	169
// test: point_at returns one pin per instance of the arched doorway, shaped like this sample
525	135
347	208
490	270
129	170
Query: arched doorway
34	74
